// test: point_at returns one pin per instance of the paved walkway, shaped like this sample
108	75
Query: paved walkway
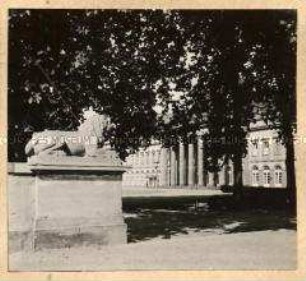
253	250
168	192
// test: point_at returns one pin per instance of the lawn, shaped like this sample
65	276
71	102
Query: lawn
165	217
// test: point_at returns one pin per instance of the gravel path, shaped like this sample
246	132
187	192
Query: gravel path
252	250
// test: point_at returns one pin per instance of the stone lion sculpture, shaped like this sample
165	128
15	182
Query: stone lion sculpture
83	142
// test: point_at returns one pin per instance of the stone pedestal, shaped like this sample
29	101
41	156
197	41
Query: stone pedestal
77	203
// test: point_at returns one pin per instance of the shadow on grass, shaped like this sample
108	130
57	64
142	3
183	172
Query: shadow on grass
163	217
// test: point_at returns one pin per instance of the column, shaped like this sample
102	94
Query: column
222	175
173	167
182	165
191	164
211	179
200	162
163	167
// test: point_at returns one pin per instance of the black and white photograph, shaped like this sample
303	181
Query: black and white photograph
151	139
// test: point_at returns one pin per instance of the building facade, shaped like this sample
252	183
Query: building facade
182	166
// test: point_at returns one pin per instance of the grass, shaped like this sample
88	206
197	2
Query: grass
164	217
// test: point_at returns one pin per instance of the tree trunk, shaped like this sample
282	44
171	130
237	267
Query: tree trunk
290	167
237	172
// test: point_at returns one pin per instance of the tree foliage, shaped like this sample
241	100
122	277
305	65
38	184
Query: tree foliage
244	66
167	74
111	60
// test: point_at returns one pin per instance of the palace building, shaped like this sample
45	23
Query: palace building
155	166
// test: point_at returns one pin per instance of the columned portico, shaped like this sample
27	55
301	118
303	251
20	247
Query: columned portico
184	165
180	165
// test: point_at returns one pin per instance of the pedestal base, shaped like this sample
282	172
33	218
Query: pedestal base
77	206
78	237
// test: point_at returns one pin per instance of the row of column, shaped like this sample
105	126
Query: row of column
186	167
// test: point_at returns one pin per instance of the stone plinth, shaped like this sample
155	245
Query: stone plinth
77	202
20	207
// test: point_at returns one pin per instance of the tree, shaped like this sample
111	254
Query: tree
166	74
216	101
279	87
238	60
66	60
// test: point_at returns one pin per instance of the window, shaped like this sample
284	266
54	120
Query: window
254	147
267	176
255	176
266	147
278	176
